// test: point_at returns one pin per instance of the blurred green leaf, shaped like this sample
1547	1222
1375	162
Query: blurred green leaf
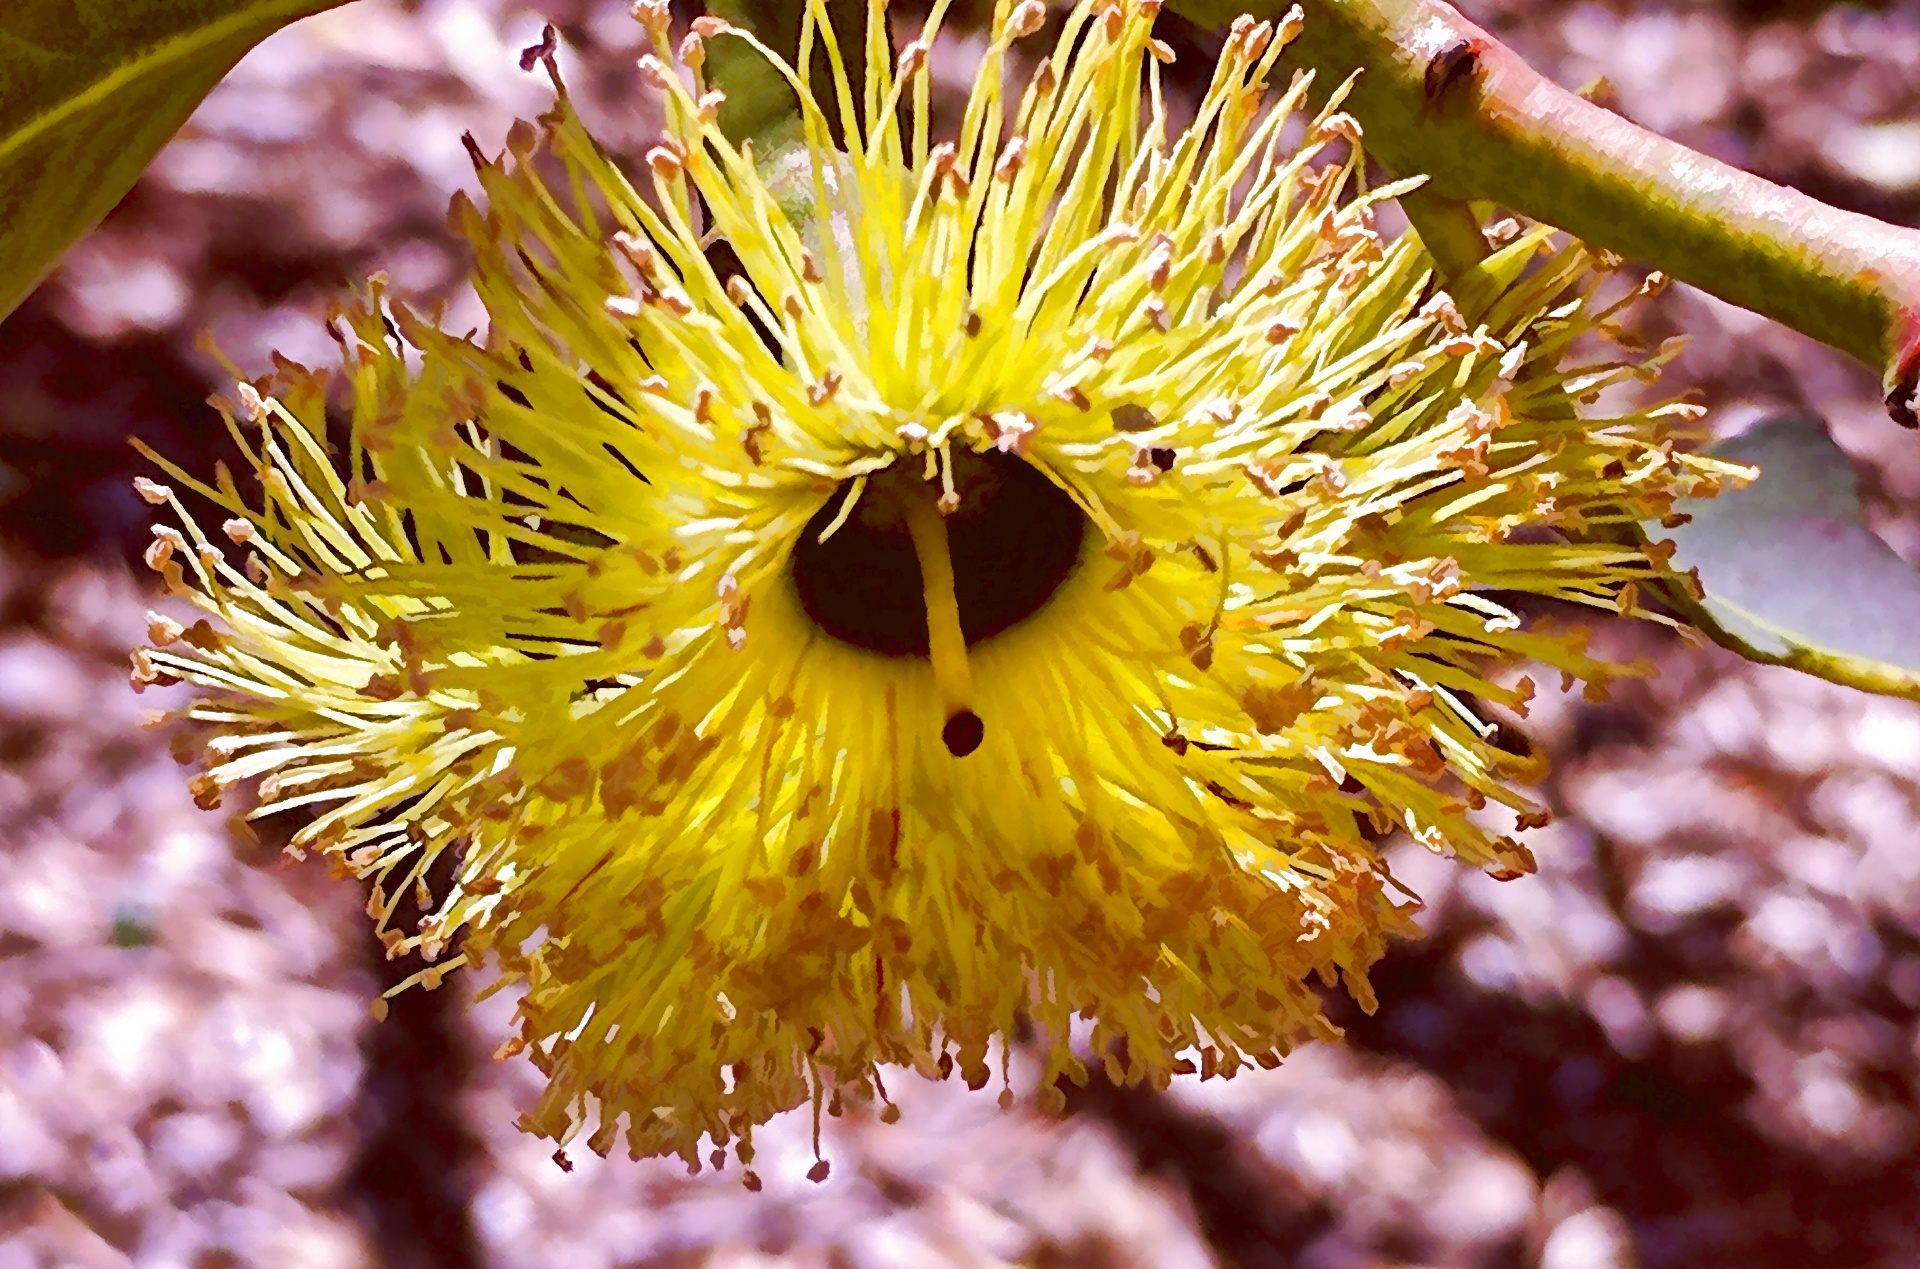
89	92
1792	574
131	931
761	105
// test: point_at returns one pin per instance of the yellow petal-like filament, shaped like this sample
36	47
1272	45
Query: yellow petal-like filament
539	612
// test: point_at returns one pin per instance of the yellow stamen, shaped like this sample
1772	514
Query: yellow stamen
690	825
963	730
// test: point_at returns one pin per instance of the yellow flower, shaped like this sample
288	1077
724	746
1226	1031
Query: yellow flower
1029	586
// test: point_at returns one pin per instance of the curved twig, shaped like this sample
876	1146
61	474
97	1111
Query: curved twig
1442	96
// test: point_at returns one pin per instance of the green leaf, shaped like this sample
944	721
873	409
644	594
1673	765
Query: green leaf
1792	574
760	104
89	92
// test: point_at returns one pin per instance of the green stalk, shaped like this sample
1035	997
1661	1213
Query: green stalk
1496	129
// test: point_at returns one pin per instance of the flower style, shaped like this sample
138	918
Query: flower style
1027	583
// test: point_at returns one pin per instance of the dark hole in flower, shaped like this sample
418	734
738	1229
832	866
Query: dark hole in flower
963	733
1013	540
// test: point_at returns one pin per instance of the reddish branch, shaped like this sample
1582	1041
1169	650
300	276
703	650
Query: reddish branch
1441	96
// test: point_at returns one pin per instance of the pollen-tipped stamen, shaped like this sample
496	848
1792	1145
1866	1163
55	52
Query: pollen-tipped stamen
946	645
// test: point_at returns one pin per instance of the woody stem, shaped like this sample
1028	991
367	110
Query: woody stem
1495	129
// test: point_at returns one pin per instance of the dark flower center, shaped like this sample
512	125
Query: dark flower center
1013	540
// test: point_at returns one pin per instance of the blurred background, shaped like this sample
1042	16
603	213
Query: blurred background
1692	1040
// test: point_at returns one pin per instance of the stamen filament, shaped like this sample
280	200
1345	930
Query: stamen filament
946	646
847	504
